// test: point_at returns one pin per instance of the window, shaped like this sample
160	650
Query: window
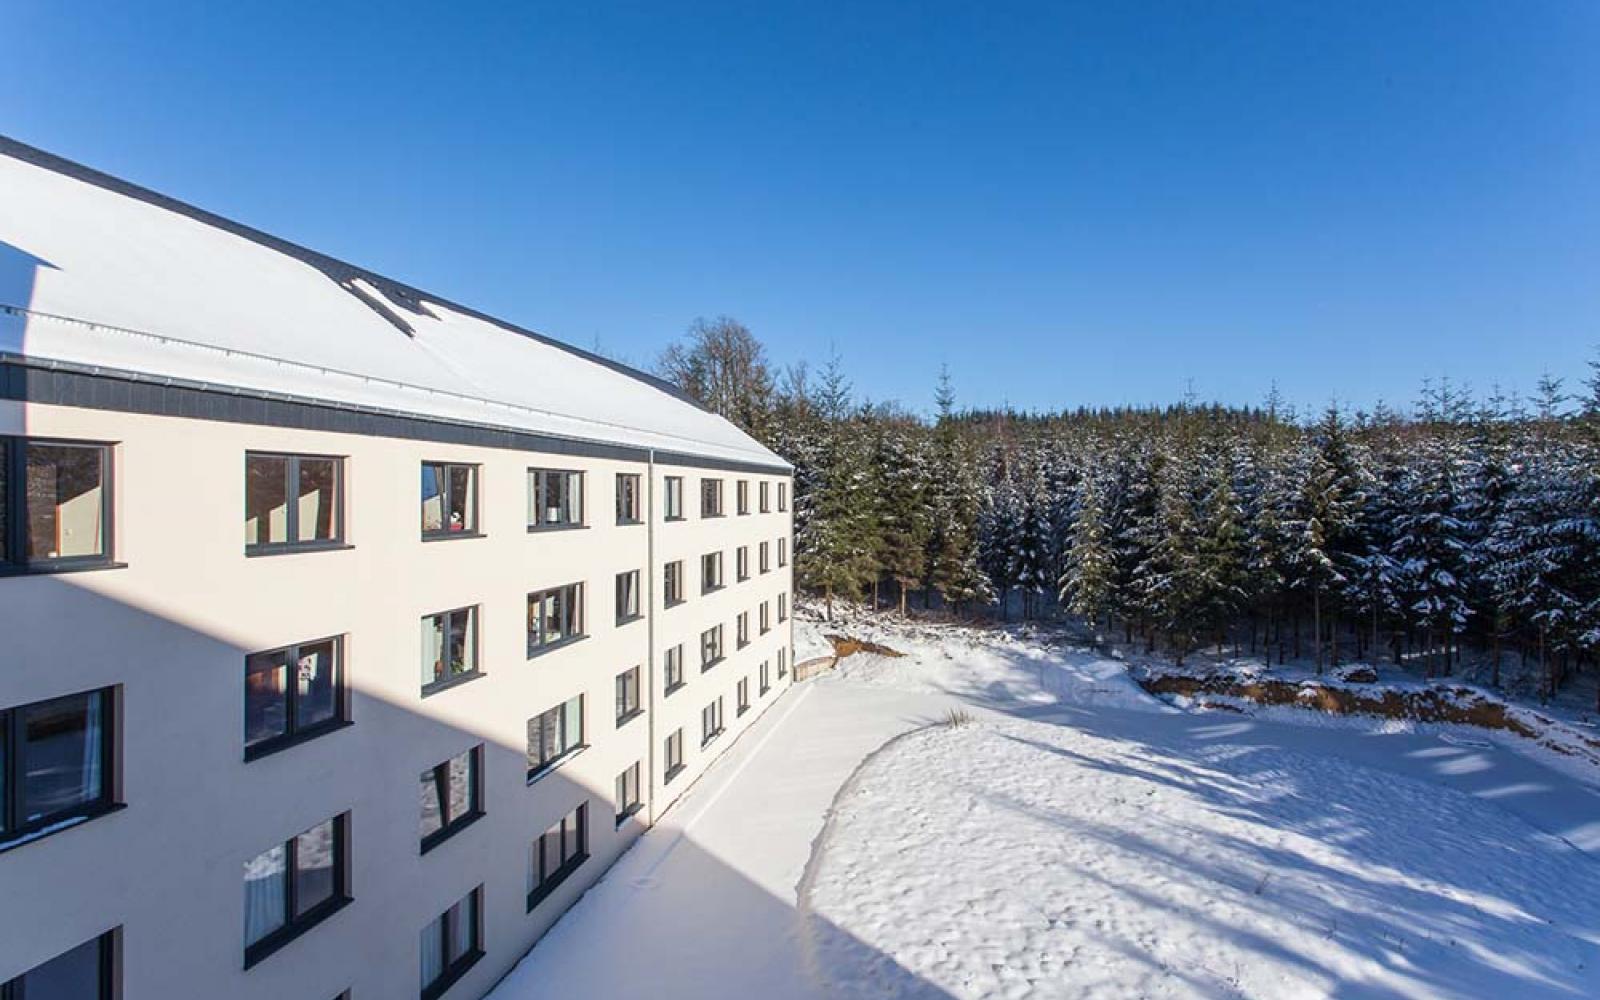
292	694
451	943
672	498
628	793
628	705
555	616
710	647
672	756
55	503
783	608
292	502
449	648
710	572
629	498
56	763
672	583
783	496
711	721
766	617
627	596
84	973
553	734
741	562
557	853
742	695
742	494
742	629
673	670
783	667
766	677
710	498
766	497
783	552
555	499
294	885
766	558
449	500
452	795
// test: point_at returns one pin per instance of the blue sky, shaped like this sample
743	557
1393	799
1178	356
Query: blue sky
1067	203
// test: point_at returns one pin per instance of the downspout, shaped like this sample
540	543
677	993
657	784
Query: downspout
649	500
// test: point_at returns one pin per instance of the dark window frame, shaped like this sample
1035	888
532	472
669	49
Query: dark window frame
741	496
712	582
626	807
293	734
475	810
16	832
712	713
711	499
637	576
741	697
765	678
292	513
765	558
108	960
672	584
451	680
718	649
450	974
574	593
672	499
14	527
548	764
475	529
766	497
295	924
538	476
626	712
741	564
549	881
783	497
671	686
637	508
672	756
741	630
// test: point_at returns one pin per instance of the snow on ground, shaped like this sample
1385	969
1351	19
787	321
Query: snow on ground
987	666
1022	859
1078	838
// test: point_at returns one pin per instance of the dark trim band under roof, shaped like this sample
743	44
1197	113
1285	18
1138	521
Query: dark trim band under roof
56	383
341	273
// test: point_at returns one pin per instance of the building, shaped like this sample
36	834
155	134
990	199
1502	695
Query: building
351	633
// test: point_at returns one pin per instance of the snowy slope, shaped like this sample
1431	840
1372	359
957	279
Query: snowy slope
92	276
1078	838
1022	859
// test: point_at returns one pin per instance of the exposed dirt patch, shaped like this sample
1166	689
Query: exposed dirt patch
1441	703
844	645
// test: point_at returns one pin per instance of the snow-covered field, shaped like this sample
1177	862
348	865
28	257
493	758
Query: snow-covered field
1077	838
1008	858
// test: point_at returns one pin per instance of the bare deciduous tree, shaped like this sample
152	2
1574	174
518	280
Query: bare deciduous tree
723	366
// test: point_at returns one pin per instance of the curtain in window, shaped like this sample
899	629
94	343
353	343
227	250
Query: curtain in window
432	952
93	751
265	876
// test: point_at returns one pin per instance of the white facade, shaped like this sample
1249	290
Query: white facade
166	620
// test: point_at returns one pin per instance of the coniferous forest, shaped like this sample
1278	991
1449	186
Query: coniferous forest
1462	531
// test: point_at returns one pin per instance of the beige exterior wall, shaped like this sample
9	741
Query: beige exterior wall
173	626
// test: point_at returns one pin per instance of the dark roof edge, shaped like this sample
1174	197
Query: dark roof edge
337	270
96	387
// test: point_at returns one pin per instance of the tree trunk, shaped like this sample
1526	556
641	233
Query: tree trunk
1316	623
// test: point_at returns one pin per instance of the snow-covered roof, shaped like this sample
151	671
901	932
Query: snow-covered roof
98	272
